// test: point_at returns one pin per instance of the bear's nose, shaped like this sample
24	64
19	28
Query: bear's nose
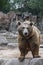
26	33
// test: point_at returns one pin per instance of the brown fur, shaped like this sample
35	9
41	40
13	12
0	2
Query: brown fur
30	43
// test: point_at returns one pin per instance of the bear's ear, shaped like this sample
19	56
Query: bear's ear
18	23
31	24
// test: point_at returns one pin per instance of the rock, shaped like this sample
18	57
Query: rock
7	21
41	36
10	35
4	21
3	40
15	61
13	27
3	31
36	61
3	61
12	45
12	17
41	46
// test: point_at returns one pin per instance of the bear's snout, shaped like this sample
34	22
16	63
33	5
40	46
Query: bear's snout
25	32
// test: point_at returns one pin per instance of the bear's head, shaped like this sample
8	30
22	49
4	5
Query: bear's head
25	29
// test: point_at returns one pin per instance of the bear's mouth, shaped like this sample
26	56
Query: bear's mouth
26	35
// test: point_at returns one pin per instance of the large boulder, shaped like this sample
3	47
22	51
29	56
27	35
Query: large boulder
11	38
36	61
3	61
4	21
15	61
11	15
9	35
7	21
12	18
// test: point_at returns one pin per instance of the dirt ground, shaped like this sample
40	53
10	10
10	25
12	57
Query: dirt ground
8	53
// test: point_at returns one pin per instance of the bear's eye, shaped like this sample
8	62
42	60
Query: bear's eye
27	28
22	27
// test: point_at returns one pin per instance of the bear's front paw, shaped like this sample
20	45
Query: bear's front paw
37	56
21	58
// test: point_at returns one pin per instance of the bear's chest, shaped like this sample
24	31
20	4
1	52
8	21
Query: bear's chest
28	41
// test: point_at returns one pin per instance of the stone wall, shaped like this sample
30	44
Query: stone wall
8	21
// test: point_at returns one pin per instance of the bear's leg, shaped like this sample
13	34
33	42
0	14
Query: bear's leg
35	51
22	56
23	53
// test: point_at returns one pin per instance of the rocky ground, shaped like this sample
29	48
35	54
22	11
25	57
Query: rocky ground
9	51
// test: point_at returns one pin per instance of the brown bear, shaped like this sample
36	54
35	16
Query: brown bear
28	39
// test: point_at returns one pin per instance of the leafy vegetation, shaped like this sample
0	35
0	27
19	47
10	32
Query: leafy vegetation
34	6
4	5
